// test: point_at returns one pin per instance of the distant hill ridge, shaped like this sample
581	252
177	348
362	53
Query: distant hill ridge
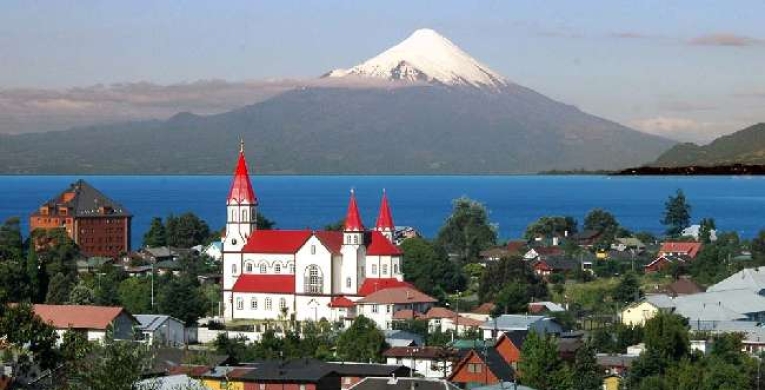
745	146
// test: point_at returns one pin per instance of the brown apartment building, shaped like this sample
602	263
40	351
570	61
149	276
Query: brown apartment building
99	225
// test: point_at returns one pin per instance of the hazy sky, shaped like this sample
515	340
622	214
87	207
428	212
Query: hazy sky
690	69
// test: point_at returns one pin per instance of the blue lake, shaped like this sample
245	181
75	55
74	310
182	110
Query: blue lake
736	203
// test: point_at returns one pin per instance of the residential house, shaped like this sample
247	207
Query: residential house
171	382
445	320
751	279
402	338
382	304
399	383
681	286
665	261
586	238
214	250
638	313
430	362
545	307
162	329
92	321
622	244
484	367
519	322
695	231
504	386
539	252
672	248
93	264
481	312
547	266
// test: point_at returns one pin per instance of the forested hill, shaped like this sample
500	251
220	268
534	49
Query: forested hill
746	146
416	129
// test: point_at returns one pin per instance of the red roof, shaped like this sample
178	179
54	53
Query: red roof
256	283
379	245
332	240
397	295
407	314
241	188
341	301
353	218
384	219
371	285
276	241
689	248
77	316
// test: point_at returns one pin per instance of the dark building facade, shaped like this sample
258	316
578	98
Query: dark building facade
99	225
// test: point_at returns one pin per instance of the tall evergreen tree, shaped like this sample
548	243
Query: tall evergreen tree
587	373
361	342
11	244
540	364
467	231
677	214
156	236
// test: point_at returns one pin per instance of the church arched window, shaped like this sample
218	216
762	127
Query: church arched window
313	279
355	238
277	268
263	268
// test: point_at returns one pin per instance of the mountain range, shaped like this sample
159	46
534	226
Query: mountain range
423	106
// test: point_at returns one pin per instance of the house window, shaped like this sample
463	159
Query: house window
395	269
282	303
385	269
239	304
347	380
254	304
388	308
277	268
348	282
268	304
313	249
249	268
313	280
292	268
262	268
348	239
375	309
474	368
374	269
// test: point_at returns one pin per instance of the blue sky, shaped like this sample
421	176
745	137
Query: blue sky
676	67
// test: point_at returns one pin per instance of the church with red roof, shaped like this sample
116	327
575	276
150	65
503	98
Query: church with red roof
303	274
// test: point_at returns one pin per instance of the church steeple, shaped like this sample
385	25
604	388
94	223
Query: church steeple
352	218
384	222
241	206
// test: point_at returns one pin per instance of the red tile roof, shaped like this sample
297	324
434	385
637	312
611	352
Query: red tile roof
440	312
78	316
397	295
353	218
385	218
485	308
379	245
276	241
255	283
689	248
332	240
371	285
241	188
341	301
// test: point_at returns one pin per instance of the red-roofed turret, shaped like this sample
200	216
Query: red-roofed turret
241	188
352	218
384	218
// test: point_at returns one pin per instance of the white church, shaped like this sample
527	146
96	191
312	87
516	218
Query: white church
310	275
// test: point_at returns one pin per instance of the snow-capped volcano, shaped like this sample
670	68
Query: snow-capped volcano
426	56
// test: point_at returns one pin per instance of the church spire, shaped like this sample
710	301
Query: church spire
241	187
352	218
384	218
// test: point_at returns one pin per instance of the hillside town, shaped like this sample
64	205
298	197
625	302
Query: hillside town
357	306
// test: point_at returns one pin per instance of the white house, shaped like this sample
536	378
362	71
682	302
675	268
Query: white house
92	321
162	329
381	306
445	320
429	362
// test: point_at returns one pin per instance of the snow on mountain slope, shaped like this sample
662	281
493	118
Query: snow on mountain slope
426	56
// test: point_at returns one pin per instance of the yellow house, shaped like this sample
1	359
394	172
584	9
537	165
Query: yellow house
223	384
638	313
612	382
